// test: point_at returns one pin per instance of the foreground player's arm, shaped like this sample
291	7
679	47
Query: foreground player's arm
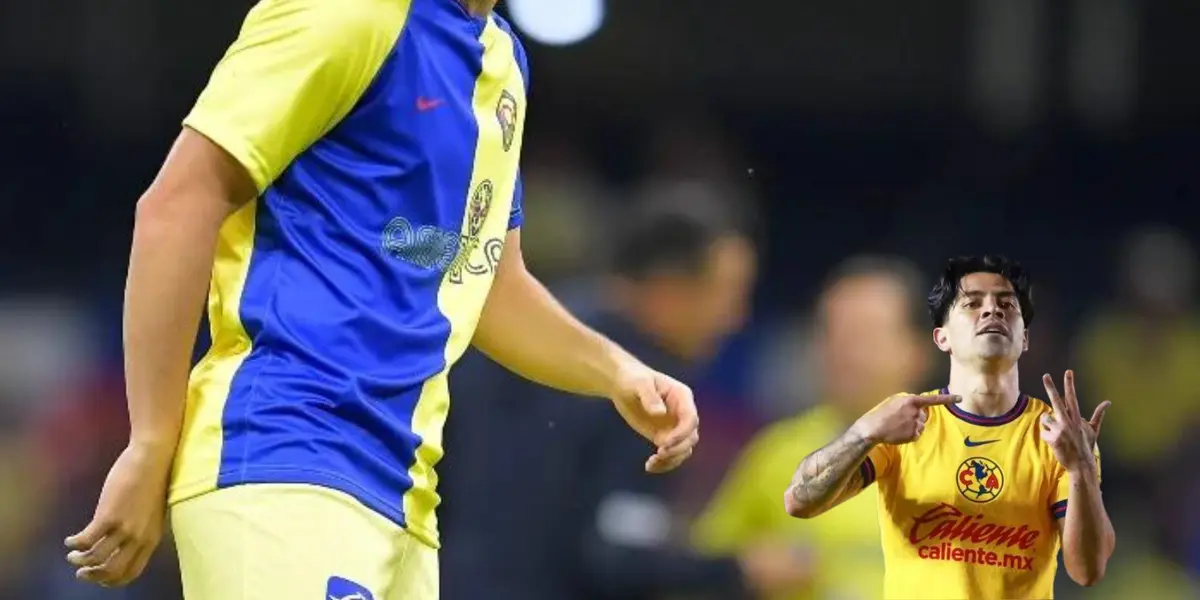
295	70
174	239
526	330
289	77
843	468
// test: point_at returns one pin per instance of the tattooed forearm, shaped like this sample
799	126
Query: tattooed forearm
828	476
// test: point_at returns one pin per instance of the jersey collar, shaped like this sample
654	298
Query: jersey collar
974	419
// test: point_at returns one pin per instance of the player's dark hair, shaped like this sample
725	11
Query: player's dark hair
892	268
949	285
675	233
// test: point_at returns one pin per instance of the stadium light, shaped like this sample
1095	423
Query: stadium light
557	22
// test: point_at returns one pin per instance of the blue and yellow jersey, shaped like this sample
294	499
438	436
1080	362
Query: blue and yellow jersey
384	137
971	508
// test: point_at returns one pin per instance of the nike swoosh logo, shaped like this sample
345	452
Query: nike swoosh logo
424	104
971	444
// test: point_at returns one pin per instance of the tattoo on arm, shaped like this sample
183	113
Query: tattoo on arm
830	475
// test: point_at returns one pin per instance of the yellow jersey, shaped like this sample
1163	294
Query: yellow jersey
970	509
844	543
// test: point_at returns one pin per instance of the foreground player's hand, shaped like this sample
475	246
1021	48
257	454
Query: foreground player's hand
128	523
901	419
1071	438
662	410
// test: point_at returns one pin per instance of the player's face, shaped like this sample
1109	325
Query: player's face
985	322
717	301
868	345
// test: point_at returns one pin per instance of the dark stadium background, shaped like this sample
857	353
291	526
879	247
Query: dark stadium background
1064	133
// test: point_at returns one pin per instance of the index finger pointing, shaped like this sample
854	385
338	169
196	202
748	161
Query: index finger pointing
944	399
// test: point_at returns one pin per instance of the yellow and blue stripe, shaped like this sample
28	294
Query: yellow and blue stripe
343	294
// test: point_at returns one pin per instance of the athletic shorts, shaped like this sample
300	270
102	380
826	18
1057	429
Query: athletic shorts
296	542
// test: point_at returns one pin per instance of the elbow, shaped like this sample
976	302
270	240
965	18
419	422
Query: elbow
1088	577
797	508
1090	573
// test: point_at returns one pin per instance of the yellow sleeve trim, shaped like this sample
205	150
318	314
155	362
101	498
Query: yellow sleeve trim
297	68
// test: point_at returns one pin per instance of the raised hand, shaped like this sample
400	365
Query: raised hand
663	411
1072	439
900	419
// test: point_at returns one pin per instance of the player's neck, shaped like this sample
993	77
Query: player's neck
985	393
479	7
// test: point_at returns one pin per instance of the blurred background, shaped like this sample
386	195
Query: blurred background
1065	134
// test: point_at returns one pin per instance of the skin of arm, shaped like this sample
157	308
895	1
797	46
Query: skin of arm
174	240
828	476
525	329
1087	533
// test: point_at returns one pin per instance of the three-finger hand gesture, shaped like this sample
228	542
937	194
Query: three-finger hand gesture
1071	438
900	419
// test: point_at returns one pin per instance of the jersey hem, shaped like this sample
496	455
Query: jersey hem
327	479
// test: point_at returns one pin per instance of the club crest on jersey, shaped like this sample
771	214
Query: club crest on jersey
338	588
979	479
472	238
506	115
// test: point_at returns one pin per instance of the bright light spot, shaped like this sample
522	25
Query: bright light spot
557	22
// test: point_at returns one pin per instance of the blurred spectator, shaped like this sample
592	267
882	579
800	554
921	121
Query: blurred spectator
587	523
1142	352
869	347
23	485
564	202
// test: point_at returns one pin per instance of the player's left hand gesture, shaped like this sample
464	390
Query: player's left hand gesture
1071	438
662	410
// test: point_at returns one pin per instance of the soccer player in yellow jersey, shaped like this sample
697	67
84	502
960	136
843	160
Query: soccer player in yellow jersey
979	484
347	190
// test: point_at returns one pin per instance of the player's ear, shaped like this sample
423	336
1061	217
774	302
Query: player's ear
1025	341
941	339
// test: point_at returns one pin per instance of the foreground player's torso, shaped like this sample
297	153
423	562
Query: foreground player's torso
343	294
967	510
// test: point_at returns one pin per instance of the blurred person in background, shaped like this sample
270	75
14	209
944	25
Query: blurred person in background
1154	559
23	495
869	345
1147	345
562	515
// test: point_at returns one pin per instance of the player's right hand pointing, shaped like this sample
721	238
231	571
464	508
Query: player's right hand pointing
899	419
128	524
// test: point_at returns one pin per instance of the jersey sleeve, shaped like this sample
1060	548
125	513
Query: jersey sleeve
517	216
879	463
1062	491
296	69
